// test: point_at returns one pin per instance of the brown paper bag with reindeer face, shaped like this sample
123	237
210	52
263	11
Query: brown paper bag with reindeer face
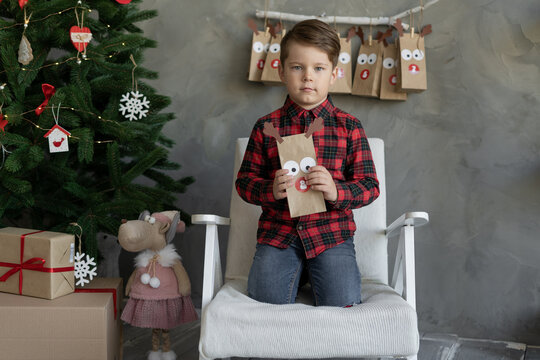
270	74
259	49
368	68
343	83
412	69
297	154
389	90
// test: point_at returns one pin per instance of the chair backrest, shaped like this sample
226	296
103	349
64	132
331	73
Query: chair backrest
370	238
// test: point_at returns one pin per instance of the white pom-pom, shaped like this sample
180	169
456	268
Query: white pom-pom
154	282
169	355
145	278
154	355
152	220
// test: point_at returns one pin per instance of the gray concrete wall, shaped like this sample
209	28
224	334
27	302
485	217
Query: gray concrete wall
467	150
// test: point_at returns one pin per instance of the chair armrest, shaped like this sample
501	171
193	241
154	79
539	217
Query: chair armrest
415	218
209	219
212	276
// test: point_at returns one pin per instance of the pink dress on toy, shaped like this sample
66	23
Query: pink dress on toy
161	307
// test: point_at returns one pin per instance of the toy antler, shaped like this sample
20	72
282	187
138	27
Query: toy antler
315	126
253	26
399	27
360	34
270	130
425	30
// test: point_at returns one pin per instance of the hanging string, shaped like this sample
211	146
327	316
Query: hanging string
79	236
55	116
266	15
4	152
133	82
411	20
26	20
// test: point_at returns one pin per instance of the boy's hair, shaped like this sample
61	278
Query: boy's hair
315	33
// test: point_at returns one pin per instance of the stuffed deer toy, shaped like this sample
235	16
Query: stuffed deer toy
159	288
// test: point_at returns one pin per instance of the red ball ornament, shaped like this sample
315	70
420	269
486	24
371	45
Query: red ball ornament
124	2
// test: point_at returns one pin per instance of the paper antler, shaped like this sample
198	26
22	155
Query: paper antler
399	27
315	126
384	36
360	34
270	130
253	26
351	33
425	30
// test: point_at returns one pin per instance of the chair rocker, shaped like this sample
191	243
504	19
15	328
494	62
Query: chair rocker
383	326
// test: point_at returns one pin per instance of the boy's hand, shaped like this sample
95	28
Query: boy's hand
320	179
282	182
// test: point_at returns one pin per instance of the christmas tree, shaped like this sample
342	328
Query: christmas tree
71	70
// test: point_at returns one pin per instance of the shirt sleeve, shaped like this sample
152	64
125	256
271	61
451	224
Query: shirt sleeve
252	183
361	186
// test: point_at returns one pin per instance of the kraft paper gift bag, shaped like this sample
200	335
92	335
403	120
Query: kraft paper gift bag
412	69
389	75
297	154
270	74
368	68
343	83
259	49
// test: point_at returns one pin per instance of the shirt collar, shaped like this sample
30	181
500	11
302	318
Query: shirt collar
296	112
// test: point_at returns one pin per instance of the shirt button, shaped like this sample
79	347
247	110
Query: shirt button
300	227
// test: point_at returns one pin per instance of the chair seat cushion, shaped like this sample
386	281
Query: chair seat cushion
235	325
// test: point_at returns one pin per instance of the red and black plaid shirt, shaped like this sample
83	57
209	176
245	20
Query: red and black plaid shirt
341	147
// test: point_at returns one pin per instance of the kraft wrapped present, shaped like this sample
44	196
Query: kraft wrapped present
36	262
343	82
83	325
259	49
270	73
367	77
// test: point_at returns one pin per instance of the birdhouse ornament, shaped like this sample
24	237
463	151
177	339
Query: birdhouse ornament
57	135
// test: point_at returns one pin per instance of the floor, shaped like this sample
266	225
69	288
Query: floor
184	341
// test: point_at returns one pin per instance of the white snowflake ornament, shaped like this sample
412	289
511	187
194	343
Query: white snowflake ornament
135	104
84	269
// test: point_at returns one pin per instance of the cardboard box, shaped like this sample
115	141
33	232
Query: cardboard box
36	263
78	326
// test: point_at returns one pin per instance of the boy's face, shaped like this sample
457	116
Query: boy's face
308	73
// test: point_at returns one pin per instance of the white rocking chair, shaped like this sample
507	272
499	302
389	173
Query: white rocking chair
383	326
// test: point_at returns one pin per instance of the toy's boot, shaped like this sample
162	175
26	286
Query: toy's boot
155	354
167	353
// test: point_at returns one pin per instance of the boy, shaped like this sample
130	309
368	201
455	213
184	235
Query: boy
345	174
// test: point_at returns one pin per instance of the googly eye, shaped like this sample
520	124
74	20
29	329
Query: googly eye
372	58
406	54
266	47
362	59
258	47
418	54
292	166
274	48
388	63
152	220
344	58
307	163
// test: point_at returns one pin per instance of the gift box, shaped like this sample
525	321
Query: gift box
84	325
36	263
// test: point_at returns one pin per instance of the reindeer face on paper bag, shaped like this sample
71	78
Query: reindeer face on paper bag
368	69
343	82
412	59
297	155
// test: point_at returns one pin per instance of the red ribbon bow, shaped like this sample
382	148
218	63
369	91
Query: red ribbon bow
3	122
48	91
34	264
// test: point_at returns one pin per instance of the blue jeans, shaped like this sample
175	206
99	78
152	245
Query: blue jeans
333	274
